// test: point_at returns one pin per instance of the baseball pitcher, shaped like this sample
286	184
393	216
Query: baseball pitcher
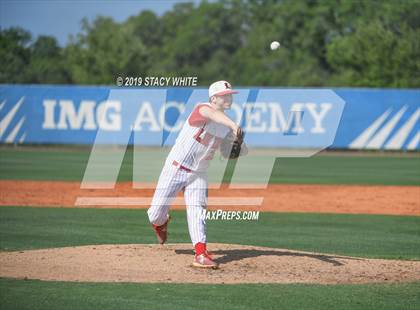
206	130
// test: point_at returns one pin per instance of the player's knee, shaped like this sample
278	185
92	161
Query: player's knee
155	217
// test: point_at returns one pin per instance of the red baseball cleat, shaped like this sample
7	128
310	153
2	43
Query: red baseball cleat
162	231
204	260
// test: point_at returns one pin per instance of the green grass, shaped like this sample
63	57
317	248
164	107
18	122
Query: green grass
19	294
375	236
355	235
348	170
70	164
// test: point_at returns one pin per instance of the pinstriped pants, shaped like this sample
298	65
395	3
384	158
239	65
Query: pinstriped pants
172	180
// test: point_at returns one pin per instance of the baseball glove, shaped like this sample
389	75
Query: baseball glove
230	146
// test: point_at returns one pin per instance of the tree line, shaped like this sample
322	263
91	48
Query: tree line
357	43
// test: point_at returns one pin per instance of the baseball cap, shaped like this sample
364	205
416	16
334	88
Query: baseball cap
221	88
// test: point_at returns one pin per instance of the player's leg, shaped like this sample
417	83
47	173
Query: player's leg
196	201
195	195
171	181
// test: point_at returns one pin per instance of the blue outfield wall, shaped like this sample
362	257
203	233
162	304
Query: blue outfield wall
272	117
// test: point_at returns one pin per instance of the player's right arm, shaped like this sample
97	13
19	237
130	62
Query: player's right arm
219	117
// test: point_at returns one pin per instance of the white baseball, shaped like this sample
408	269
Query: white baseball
274	45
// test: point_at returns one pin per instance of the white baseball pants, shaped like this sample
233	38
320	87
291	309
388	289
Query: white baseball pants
172	180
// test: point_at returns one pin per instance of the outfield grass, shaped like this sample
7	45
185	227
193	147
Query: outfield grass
70	164
19	294
375	236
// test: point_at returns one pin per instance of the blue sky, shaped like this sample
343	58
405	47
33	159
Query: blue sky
60	18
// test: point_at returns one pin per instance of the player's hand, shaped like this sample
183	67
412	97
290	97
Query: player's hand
238	133
236	130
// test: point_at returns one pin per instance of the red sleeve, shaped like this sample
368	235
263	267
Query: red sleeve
196	119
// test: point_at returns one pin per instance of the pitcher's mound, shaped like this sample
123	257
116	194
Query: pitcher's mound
172	263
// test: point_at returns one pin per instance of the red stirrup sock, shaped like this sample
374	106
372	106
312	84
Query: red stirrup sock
200	248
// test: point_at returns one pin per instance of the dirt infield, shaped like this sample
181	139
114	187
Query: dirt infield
354	199
172	264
